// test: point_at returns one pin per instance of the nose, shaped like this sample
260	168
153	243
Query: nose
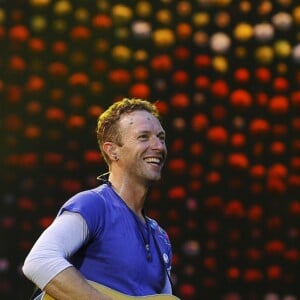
158	144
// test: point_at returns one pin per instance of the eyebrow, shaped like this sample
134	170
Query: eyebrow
149	131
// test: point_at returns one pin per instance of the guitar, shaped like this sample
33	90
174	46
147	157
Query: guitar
120	296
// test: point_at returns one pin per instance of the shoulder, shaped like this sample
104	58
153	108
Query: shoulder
160	232
86	199
91	205
163	240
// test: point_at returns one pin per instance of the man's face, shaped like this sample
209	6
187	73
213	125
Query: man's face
143	151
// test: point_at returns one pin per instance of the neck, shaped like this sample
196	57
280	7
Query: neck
132	194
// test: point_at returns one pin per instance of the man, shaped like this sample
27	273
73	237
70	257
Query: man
103	235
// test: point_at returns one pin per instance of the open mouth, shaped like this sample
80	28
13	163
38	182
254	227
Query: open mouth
154	160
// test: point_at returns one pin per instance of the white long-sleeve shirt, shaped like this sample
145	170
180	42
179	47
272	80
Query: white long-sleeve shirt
60	240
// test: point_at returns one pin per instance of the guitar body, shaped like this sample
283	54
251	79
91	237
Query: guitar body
120	296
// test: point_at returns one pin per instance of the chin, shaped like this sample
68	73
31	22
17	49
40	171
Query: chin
156	178
152	179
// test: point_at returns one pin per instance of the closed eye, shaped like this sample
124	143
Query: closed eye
143	136
162	138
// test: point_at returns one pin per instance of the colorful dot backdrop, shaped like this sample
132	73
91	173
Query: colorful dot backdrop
226	78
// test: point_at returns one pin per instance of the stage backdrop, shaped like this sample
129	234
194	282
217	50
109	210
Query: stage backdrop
225	76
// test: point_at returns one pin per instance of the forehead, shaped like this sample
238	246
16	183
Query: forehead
140	120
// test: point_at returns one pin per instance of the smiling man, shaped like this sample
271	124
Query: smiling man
103	235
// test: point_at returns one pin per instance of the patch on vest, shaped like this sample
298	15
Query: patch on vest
166	258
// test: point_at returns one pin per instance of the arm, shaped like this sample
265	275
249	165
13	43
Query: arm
69	284
47	265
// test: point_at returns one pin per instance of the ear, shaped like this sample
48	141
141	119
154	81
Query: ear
111	150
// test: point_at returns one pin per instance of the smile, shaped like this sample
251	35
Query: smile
153	160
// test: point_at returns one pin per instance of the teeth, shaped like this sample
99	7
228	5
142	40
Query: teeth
153	160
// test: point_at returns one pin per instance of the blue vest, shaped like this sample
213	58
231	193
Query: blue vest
115	253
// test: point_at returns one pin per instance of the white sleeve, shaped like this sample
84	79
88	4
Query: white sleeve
60	240
167	288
